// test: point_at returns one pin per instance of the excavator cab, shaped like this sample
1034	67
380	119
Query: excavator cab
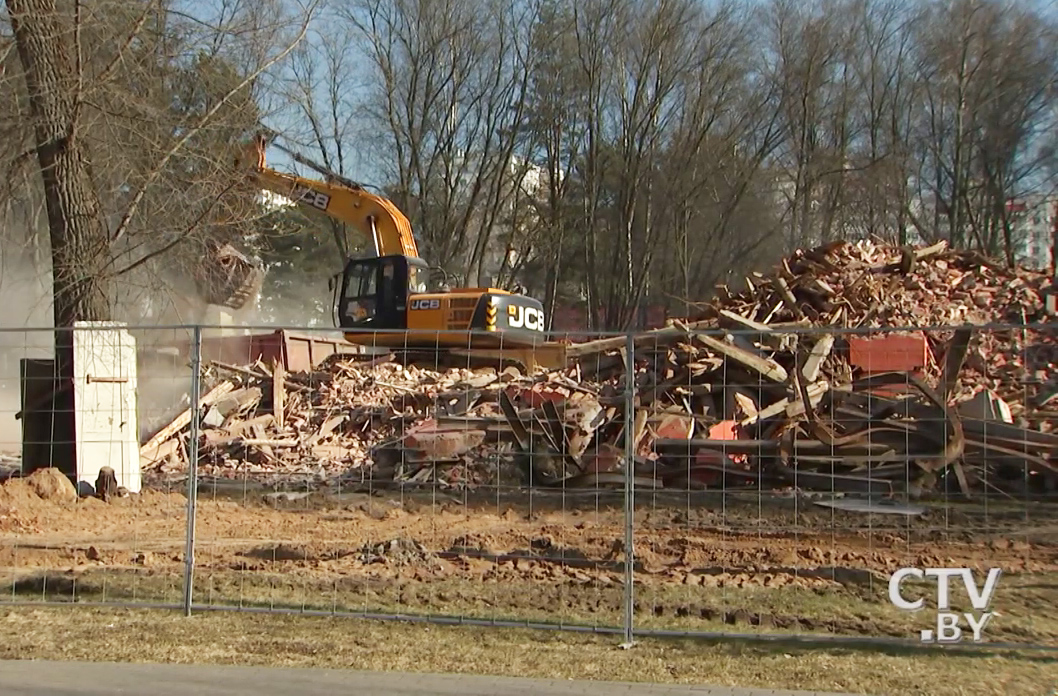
375	292
390	295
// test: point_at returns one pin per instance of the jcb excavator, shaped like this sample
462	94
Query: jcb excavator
384	299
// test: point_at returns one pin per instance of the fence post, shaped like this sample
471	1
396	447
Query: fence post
629	464
192	466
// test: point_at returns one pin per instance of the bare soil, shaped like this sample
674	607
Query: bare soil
702	563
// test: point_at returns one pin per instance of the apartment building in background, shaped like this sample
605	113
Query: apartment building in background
1035	229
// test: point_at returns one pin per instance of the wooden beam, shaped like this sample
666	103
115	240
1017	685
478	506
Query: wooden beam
768	368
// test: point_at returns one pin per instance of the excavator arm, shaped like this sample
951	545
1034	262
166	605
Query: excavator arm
376	217
383	300
228	279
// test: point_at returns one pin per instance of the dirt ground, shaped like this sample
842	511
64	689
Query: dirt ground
734	563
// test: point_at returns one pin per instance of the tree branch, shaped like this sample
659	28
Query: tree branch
179	144
181	237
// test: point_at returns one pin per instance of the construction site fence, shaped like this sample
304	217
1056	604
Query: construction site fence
744	482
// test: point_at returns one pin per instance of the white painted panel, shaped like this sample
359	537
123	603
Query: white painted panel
105	403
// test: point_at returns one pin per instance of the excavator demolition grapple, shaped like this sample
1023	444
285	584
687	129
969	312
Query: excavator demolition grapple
228	278
385	299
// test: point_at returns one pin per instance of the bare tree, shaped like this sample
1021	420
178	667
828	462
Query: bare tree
883	75
133	112
657	49
554	127
949	59
595	31
79	241
318	103
986	70
712	170
675	142
812	45
451	85
1012	111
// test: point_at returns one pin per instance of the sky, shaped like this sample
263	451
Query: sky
286	121
364	167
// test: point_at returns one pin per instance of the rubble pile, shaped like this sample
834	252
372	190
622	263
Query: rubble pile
867	285
765	388
260	420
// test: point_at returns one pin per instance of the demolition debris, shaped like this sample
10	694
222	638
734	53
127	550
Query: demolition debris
790	383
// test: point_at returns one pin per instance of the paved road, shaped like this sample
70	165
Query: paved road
39	678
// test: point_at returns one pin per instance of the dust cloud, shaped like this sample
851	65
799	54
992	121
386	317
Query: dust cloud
25	303
156	310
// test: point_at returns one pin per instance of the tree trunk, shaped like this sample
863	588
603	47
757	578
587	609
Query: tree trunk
79	244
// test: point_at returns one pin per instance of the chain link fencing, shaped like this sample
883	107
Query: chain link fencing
780	476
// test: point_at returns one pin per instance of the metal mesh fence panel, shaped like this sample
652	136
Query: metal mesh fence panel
785	474
754	481
420	480
78	521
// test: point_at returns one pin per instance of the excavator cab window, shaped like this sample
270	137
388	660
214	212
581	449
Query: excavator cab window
387	287
417	279
359	300
375	293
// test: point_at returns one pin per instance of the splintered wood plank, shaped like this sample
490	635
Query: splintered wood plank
822	287
745	404
184	419
953	361
256	442
163	450
652	338
787	296
327	427
820	352
639	427
237	402
768	368
259	434
729	318
791	407
761	333
279	394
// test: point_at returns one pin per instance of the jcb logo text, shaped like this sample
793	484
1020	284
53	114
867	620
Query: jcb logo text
425	304
525	318
303	194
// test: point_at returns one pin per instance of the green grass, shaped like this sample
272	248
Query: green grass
76	633
1028	612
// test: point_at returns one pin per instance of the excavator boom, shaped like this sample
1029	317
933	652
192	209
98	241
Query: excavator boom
389	228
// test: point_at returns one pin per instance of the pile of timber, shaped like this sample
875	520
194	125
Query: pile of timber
258	420
763	389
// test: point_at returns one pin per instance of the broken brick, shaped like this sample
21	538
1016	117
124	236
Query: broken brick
889	353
